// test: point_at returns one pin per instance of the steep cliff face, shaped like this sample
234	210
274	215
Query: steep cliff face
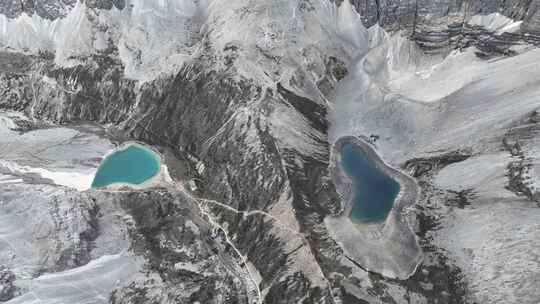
440	26
243	92
408	14
51	9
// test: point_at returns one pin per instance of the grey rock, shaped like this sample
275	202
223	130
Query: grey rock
52	9
7	288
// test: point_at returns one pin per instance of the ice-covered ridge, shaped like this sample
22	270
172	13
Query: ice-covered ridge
158	36
294	31
69	36
155	37
147	34
496	22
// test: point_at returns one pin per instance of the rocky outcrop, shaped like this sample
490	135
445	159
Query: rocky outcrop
7	289
52	9
439	26
517	142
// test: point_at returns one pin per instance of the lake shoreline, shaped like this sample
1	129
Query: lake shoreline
408	192
389	247
159	179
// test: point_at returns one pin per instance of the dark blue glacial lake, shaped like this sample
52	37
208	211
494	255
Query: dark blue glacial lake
132	166
374	191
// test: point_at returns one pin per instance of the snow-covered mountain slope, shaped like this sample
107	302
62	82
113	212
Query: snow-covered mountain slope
248	96
425	106
422	107
153	38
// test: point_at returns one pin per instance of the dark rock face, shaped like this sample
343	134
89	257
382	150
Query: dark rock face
45	9
7	289
169	234
79	253
315	113
422	166
296	287
52	9
441	25
106	4
406	14
522	131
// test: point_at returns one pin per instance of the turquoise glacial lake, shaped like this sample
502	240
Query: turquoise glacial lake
132	166
374	191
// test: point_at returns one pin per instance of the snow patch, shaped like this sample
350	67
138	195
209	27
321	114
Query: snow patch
76	180
91	283
496	245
